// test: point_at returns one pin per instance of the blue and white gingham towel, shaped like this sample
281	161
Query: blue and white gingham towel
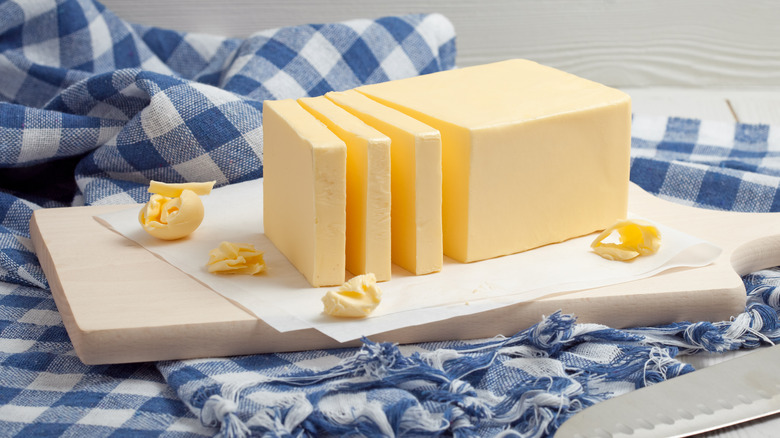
92	107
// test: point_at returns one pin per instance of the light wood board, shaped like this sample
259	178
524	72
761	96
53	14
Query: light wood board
120	303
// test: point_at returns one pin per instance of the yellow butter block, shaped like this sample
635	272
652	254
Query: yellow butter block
304	191
531	155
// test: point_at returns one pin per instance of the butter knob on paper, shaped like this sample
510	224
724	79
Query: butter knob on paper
356	298
175	210
236	258
636	238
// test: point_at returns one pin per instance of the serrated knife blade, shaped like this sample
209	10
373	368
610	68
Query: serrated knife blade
728	393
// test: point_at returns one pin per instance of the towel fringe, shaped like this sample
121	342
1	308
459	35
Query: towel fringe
434	393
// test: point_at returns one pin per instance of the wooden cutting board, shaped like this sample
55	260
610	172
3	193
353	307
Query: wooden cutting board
120	303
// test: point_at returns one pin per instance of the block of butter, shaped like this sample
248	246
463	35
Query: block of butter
304	191
531	155
415	152
368	188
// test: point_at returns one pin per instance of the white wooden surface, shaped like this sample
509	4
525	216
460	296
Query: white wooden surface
710	59
715	60
695	43
723	104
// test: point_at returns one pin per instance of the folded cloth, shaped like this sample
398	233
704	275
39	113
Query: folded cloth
139	103
92	107
106	106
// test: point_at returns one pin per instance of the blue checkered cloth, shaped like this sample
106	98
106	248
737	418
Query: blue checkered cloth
92	107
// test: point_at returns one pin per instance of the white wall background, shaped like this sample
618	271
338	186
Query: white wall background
622	43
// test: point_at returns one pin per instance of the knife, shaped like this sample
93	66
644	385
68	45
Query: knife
728	393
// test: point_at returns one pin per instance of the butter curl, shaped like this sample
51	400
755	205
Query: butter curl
172	218
356	298
636	238
236	258
174	211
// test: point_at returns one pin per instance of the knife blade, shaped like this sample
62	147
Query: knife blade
728	393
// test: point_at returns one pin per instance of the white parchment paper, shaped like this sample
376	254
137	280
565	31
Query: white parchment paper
284	299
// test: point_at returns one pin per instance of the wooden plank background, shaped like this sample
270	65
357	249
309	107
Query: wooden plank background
622	43
717	60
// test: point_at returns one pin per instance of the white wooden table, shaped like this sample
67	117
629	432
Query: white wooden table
724	104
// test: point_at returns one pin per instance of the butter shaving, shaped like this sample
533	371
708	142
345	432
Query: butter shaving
636	238
236	258
356	298
173	190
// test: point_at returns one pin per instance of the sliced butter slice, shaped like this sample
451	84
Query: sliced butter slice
173	190
415	153
304	191
531	155
368	188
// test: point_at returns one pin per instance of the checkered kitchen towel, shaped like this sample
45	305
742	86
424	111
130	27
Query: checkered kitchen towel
92	107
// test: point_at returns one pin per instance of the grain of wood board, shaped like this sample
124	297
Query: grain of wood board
90	267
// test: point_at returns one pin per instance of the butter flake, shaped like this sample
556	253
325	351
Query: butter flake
173	190
356	298
636	238
236	258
